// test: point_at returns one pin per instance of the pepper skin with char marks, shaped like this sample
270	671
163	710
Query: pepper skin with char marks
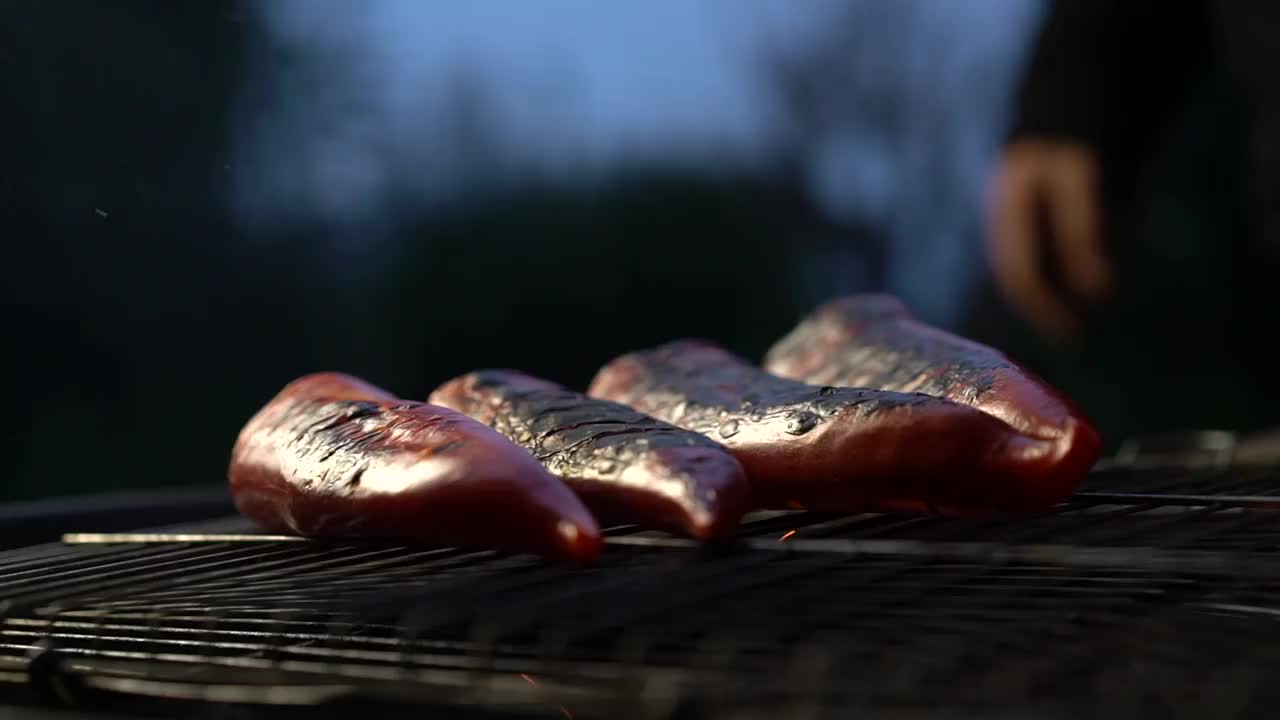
872	341
626	467
841	449
332	456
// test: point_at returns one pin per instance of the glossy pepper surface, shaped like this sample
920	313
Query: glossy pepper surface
872	341
841	449
332	456
626	466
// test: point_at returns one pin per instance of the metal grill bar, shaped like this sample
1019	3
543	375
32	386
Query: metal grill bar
1132	587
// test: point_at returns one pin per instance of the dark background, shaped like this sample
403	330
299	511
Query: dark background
148	314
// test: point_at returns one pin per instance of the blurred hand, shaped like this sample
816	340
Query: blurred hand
1046	214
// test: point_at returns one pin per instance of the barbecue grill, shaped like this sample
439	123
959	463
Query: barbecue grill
1155	591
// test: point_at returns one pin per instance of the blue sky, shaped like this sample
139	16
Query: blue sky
574	86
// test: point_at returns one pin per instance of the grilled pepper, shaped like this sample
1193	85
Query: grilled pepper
626	467
332	456
842	449
872	341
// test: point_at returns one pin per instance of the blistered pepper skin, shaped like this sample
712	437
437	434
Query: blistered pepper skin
627	467
332	456
872	341
841	449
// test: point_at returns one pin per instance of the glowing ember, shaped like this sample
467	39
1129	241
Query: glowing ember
528	678
786	535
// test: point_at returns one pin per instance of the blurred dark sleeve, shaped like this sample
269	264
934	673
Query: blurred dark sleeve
1108	73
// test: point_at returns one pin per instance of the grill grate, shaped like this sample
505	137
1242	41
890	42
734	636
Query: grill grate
1154	588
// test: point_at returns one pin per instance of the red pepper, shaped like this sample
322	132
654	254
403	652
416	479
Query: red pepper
626	466
332	456
872	341
842	449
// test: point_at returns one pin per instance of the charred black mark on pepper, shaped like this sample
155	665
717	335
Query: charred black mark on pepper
711	392
868	342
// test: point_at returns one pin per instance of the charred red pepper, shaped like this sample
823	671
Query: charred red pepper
842	449
332	456
872	341
626	466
